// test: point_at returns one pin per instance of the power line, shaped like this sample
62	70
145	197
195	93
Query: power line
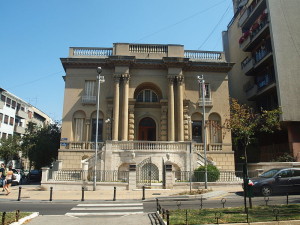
213	30
33	81
181	21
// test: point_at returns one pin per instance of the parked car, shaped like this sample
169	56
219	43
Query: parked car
34	175
18	179
277	180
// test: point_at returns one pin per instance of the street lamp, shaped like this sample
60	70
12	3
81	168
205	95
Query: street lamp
100	80
202	93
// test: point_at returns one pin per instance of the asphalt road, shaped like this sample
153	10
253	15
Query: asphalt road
61	208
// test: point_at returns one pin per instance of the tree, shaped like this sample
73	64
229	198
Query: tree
41	145
9	148
246	124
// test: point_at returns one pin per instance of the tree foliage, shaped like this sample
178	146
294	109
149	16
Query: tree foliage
41	145
9	148
246	124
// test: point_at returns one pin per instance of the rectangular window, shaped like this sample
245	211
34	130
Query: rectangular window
1	117
6	119
13	104
22	108
11	121
18	106
8	102
3	98
29	114
89	88
9	135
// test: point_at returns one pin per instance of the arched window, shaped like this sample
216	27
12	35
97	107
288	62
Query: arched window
215	131
147	95
79	118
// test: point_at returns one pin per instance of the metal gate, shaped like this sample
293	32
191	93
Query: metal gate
147	173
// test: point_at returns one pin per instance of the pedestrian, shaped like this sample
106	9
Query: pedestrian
3	175
8	179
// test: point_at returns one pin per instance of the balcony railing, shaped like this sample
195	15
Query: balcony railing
19	129
265	80
207	102
204	55
89	100
247	64
90	52
139	48
1	104
144	146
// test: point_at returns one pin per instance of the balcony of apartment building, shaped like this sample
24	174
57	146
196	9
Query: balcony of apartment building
1	104
258	31
261	57
260	85
19	129
250	14
21	113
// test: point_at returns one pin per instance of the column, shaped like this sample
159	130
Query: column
87	128
180	108
171	125
125	107
115	131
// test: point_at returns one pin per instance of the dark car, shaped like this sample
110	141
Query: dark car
34	175
278	180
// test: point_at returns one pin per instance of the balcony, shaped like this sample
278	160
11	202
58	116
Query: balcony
252	37
19	130
1	104
247	65
252	13
22	114
90	52
251	92
207	102
205	56
89	100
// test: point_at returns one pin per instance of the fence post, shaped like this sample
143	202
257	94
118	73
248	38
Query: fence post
132	177
143	198
3	218
82	194
51	191
19	195
17	215
168	217
287	198
115	193
45	174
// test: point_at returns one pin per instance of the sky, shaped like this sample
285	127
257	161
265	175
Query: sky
35	34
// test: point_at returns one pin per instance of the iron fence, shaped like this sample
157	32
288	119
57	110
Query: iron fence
221	176
79	175
109	176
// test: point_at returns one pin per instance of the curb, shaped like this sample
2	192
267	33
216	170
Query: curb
24	219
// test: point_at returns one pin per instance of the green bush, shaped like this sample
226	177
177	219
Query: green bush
213	174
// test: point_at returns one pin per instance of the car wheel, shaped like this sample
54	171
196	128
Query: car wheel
266	191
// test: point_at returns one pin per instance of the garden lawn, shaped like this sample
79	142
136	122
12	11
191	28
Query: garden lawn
10	217
234	215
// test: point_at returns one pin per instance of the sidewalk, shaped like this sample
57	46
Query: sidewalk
30	193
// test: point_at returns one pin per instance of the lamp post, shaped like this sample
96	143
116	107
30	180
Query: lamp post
100	80
202	93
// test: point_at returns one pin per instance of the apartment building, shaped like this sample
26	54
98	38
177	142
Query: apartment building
150	110
16	113
263	40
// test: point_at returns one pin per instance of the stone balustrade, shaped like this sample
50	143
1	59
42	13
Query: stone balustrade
143	146
204	55
90	52
140	48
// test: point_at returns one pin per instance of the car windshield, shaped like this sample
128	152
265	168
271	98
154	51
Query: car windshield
269	173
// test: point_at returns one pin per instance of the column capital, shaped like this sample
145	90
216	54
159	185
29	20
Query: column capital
117	78
180	79
171	79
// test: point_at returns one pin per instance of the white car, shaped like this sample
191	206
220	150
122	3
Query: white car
18	177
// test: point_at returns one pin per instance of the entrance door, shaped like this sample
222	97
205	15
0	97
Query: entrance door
147	129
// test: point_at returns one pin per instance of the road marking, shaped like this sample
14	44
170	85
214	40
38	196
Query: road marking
103	214
108	205
106	208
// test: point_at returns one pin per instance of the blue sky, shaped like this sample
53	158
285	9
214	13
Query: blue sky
35	34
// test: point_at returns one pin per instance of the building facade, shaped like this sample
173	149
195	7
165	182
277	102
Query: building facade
15	114
150	108
263	41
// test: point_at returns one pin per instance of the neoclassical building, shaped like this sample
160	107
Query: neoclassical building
150	107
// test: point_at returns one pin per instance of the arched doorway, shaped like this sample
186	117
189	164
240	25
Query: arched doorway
147	129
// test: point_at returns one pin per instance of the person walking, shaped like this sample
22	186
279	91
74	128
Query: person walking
8	179
3	175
